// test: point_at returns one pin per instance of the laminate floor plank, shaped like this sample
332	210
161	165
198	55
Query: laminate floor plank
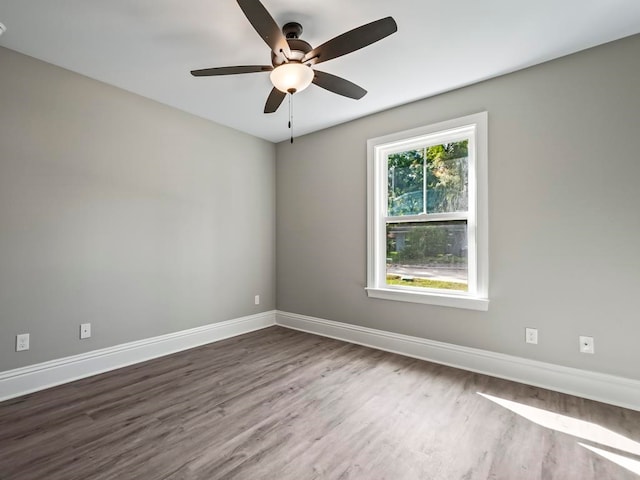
280	404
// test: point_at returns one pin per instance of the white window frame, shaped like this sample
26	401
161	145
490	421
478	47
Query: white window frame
473	127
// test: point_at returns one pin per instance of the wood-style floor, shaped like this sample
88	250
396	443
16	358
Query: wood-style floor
280	404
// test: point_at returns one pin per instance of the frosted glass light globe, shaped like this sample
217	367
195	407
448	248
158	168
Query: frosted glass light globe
291	77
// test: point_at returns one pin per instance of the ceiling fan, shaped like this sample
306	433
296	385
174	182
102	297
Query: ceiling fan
292	59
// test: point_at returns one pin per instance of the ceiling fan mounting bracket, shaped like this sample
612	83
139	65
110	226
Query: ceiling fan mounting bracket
292	30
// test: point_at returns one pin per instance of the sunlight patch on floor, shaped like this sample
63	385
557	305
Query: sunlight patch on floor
569	425
578	428
625	462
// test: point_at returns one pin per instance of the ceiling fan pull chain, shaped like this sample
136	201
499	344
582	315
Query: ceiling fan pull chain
291	114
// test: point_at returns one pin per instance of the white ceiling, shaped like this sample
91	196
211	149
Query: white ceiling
149	47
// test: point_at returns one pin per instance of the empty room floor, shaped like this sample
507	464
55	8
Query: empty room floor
281	404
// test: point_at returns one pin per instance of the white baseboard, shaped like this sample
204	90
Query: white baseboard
623	392
601	387
20	381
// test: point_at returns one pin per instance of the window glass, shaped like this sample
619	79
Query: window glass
432	179
406	184
428	255
448	178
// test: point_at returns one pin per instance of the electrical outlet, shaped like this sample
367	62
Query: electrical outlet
587	345
22	342
85	330
257	299
531	335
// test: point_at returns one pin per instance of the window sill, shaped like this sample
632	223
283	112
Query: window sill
441	299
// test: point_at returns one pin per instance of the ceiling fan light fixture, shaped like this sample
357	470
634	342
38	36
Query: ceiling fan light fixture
292	77
292	58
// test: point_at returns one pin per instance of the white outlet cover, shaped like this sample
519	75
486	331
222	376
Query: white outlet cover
257	299
85	330
22	342
587	344
531	335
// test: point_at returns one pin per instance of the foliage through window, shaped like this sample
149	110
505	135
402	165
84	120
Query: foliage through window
441	170
423	212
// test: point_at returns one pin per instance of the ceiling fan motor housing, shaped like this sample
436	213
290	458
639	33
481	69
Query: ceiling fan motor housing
299	48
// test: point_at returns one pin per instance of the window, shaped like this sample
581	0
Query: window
427	225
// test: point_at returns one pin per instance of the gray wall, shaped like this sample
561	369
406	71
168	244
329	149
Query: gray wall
122	212
564	198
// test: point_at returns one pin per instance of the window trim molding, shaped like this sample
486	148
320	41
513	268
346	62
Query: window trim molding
478	211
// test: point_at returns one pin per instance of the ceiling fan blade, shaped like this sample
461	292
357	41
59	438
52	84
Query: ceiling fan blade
338	85
274	100
352	40
265	25
208	72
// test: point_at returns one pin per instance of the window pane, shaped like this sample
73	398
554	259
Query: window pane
447	178
428	255
445	168
405	191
